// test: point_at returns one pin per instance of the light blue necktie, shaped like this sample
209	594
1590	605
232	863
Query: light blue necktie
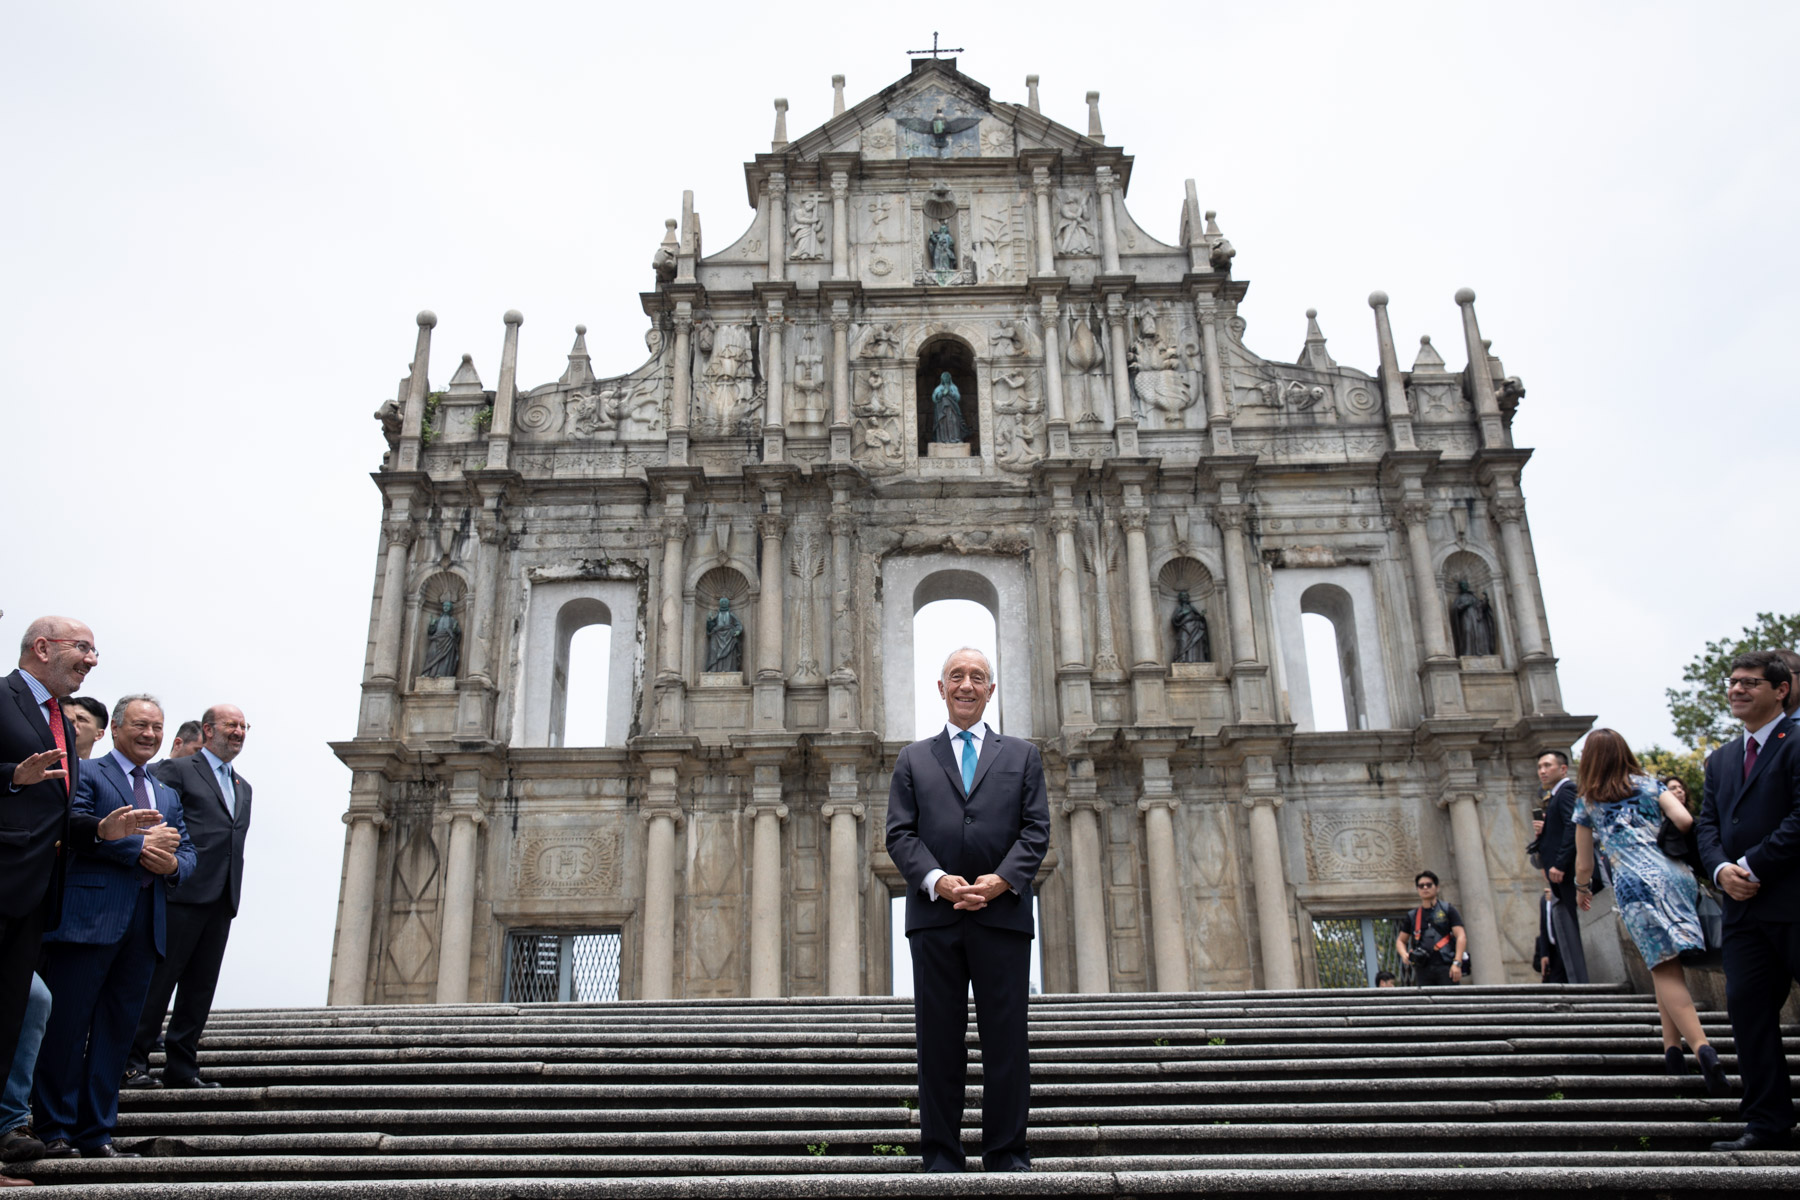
968	760
225	788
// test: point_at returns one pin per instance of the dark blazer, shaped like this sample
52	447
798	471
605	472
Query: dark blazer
1002	827
1758	817
1556	845
101	888
34	821
218	836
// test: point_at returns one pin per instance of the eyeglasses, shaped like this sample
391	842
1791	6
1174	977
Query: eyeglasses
1746	682
233	726
1424	887
82	648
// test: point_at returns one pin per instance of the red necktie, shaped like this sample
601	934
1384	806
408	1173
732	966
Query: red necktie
1749	754
56	733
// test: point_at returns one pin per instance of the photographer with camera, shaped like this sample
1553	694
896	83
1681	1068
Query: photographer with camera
1431	936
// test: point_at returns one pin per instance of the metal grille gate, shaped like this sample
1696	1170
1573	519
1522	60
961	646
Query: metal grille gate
1350	950
548	966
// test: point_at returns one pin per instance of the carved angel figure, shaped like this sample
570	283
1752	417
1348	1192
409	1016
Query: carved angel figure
879	341
1074	230
938	126
806	233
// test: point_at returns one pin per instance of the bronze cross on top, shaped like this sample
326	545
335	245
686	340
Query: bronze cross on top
934	51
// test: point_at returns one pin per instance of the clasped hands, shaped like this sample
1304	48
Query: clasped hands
160	840
971	897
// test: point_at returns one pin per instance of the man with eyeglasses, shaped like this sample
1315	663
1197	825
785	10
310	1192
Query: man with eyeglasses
38	775
1432	937
215	800
1749	838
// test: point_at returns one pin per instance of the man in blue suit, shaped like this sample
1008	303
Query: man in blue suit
968	823
1749	838
99	961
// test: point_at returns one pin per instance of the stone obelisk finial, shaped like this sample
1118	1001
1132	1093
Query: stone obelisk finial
1094	130
780	141
1031	97
837	95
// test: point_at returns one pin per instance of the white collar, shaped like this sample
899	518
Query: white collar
1762	735
979	729
125	764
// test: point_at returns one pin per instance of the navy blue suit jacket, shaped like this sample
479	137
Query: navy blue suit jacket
1001	827
101	887
1758	817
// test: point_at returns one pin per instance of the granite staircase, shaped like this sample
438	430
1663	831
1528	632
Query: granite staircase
1519	1091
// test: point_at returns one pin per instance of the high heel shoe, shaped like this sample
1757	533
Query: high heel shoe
1714	1070
1674	1061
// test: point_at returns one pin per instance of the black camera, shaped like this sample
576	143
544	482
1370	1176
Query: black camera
1421	956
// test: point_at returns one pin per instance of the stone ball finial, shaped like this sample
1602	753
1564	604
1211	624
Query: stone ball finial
781	104
514	317
837	81
1377	299
1311	313
582	330
468	358
1424	339
1093	97
1211	213
427	318
1465	295
1031	81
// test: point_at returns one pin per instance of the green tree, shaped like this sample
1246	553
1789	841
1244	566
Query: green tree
1702	719
1687	766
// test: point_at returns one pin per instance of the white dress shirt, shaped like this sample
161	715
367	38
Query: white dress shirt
222	776
1761	738
979	729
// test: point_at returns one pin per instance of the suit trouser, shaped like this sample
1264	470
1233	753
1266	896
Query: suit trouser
20	938
1762	962
946	960
1566	915
99	992
196	943
15	1101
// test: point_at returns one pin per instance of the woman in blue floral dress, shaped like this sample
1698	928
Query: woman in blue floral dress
1619	811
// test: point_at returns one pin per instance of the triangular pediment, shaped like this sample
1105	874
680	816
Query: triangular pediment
903	121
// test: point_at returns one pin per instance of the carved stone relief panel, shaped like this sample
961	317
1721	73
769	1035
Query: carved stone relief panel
1359	844
566	863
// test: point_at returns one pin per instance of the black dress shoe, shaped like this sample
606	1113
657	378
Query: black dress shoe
1717	1083
106	1150
140	1079
17	1145
59	1148
187	1081
1754	1141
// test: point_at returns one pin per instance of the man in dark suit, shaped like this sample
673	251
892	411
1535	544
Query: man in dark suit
99	960
1749	838
38	773
1555	848
967	825
215	800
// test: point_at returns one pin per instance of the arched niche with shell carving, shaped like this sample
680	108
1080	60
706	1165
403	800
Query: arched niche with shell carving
437	588
1190	575
1466	566
729	584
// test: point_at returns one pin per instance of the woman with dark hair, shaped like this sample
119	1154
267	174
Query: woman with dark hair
1619	809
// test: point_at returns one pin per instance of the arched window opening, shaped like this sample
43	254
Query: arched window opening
578	712
938	629
1322	673
937	357
585	685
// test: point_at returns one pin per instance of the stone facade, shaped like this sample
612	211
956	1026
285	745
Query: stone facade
1125	446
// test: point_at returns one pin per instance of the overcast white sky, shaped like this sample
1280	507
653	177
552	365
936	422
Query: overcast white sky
217	221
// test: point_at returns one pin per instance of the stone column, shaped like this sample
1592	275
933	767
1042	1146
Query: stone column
844	954
675	535
778	234
845	712
662	817
774	420
459	908
1068	590
1442	674
1167	928
766	813
1509	511
1056	415
1082	808
1046	232
483	597
1124	420
1476	894
412	417
1109	222
391	618
1137	572
840	225
840	381
1481	381
1218	408
1393	384
356	912
770	613
1272	920
681	385
1230	518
